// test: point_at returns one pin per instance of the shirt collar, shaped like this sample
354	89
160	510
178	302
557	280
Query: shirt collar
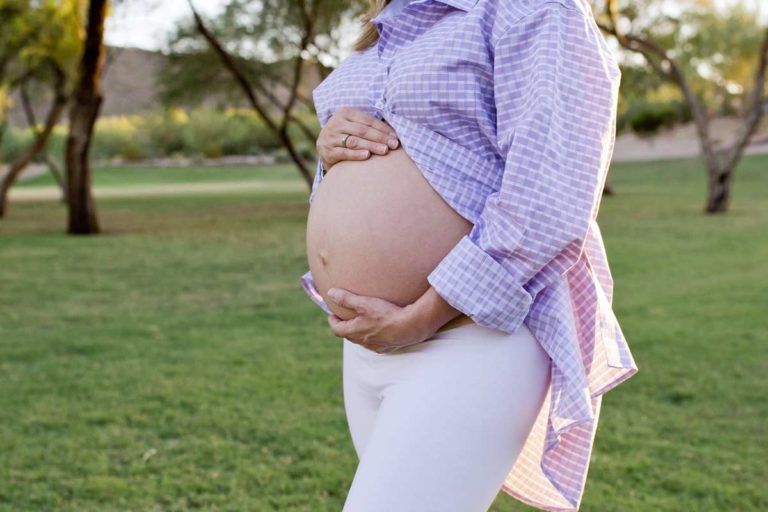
464	5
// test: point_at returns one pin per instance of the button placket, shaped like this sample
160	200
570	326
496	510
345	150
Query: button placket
380	87
377	96
389	34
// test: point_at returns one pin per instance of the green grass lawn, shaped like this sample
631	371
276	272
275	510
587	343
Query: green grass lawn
174	363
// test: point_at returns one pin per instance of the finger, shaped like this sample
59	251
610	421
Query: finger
367	132
356	142
337	326
338	154
361	136
364	118
349	300
367	127
357	133
344	115
331	139
330	150
344	328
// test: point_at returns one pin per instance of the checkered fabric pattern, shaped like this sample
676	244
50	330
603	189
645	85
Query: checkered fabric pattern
508	107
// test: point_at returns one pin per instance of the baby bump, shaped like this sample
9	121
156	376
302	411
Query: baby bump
377	227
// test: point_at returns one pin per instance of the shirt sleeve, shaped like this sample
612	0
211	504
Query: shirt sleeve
317	180
555	92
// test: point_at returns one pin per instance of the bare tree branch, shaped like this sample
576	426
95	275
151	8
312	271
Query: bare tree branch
231	66
55	111
32	123
26	105
280	129
754	115
306	37
674	74
720	161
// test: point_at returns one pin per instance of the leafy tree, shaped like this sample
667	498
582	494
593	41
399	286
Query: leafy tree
39	44
710	59
262	50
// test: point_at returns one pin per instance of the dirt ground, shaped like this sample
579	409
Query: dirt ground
682	142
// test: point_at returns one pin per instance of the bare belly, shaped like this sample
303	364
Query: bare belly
376	227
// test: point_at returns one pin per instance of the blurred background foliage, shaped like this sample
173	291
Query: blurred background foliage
715	46
203	132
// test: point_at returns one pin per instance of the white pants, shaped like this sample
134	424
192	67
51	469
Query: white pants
438	425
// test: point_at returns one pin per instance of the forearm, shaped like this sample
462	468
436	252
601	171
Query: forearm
432	311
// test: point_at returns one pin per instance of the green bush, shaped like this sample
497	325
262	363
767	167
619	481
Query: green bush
203	132
14	143
119	136
163	134
646	118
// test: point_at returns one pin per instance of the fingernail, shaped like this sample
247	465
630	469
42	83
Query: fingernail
392	143
333	293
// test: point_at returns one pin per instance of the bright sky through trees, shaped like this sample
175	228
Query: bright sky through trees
145	23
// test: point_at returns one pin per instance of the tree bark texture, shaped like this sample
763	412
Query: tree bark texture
86	104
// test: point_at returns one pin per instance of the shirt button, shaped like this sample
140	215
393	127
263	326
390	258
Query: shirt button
380	104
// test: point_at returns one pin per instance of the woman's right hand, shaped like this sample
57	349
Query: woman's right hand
367	135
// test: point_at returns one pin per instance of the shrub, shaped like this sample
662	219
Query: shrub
162	132
646	118
117	136
15	141
203	132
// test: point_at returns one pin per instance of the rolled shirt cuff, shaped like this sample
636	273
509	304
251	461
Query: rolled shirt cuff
470	280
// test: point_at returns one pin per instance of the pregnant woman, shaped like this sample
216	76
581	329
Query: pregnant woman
462	157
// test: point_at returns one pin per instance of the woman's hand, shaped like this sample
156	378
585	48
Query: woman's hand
380	325
367	135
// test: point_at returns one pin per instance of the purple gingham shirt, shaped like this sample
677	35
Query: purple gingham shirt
508	107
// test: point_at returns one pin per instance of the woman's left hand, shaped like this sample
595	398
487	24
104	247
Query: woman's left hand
380	325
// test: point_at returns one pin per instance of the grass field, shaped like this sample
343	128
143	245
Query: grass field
117	176
174	363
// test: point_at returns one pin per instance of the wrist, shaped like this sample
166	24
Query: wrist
431	311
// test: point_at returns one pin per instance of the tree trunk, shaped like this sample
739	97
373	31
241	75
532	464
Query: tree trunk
719	190
38	144
82	118
720	162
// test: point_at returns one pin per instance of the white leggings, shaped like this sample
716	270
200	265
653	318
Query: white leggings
438	425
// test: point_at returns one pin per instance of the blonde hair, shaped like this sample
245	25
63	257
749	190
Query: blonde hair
370	33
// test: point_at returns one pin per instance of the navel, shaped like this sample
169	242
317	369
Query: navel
324	256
